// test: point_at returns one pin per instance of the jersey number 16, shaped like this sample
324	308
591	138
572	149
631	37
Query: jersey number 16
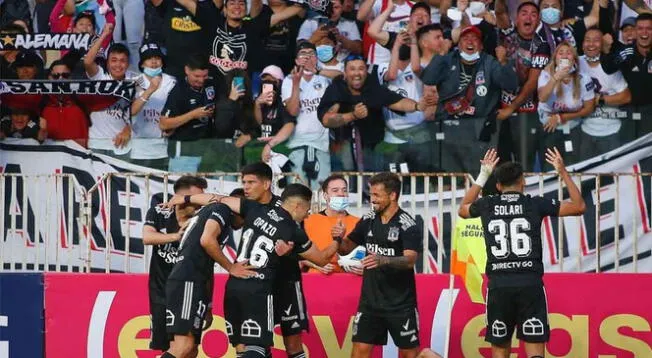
258	251
520	242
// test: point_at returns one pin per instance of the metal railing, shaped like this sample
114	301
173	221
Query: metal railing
51	223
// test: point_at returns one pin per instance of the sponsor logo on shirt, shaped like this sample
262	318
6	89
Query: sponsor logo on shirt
539	61
380	250
184	24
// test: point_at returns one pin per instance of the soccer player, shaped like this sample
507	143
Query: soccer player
248	303
163	229
189	289
512	231
289	301
388	302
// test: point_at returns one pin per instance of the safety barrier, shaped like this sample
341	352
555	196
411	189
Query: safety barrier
99	228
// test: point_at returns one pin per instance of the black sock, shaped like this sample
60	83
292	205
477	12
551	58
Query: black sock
297	355
167	355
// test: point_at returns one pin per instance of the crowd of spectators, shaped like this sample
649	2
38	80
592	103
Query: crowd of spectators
336	85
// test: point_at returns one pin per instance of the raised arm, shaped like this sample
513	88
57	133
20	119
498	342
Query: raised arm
287	13
593	18
502	15
189	5
364	11
375	29
487	166
89	61
576	205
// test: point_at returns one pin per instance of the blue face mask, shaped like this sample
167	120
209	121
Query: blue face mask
325	53
339	203
470	58
152	72
550	15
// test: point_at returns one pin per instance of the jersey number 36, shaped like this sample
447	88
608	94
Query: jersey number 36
258	251
516	238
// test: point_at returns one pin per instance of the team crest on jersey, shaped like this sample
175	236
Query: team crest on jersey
479	78
393	234
274	216
409	77
210	93
166	212
317	86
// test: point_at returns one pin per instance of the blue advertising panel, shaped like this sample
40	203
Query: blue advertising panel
21	315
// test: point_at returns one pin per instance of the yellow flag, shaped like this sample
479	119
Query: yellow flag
469	258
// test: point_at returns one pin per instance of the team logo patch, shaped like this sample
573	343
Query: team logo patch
229	51
481	91
393	234
409	77
533	327
210	93
499	329
479	78
318	85
250	328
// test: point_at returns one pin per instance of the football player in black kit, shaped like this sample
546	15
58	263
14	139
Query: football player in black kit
163	229
248	303
290	309
189	288
388	302
512	231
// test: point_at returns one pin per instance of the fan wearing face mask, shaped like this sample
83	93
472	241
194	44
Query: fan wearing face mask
555	29
334	221
565	96
328	65
149	147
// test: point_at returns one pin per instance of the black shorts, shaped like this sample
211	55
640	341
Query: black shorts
509	307
372	328
186	305
160	338
290	308
249	313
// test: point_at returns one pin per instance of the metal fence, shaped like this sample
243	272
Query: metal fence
51	223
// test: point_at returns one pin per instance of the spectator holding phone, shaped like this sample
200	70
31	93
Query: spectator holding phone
565	97
345	31
187	116
275	123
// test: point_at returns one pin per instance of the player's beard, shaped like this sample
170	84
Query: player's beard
379	208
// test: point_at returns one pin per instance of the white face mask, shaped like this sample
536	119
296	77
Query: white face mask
470	58
339	203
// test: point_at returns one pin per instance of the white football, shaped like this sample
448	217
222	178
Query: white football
352	259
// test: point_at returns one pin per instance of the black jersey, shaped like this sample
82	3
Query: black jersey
264	226
193	263
388	290
163	256
512	231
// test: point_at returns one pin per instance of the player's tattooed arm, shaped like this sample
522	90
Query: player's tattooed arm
333	119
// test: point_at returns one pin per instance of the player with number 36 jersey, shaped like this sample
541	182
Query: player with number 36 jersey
512	228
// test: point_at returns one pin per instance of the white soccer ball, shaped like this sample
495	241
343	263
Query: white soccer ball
352	259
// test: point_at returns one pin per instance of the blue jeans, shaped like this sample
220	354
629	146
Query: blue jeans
130	15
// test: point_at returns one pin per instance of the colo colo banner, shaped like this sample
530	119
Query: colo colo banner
63	41
122	89
108	316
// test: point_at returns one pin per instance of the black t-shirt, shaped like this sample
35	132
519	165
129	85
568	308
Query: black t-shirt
163	256
183	99
30	131
512	231
234	48
374	96
182	36
526	54
193	263
573	33
280	45
388	290
264	226
274	118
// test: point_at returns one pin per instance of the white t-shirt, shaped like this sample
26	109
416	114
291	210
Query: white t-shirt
408	85
377	53
309	130
603	121
566	103
107	123
347	28
148	143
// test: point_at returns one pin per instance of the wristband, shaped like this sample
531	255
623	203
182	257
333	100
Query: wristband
186	199
482	178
